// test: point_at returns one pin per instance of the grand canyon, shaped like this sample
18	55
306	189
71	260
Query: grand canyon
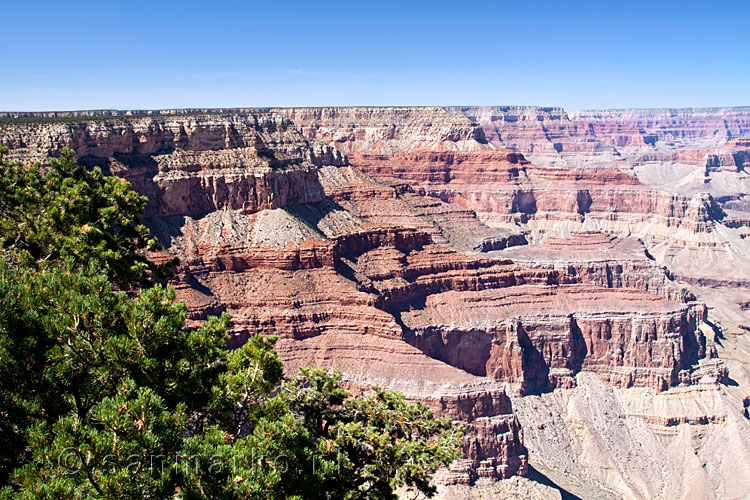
572	286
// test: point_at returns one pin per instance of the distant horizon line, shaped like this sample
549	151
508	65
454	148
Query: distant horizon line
62	113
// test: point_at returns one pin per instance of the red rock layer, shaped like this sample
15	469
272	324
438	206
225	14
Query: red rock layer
503	183
569	331
606	138
534	327
604	260
282	232
190	165
388	130
494	441
734	156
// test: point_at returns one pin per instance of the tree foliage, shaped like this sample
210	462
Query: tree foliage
84	219
105	393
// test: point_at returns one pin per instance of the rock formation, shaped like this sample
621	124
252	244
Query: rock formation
458	256
607	138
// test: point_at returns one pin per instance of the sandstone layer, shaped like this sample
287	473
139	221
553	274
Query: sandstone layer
696	229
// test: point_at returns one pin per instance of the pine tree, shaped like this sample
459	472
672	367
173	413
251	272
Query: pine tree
105	393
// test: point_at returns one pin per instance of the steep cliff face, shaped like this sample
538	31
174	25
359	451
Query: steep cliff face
606	138
504	188
388	130
190	165
266	134
627	338
494	440
410	249
462	168
634	443
734	156
605	260
694	224
688	234
536	328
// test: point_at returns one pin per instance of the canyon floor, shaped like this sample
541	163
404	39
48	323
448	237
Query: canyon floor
573	287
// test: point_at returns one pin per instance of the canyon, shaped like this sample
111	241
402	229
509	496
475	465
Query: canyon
573	287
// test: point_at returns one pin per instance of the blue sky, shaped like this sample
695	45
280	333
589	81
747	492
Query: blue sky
603	54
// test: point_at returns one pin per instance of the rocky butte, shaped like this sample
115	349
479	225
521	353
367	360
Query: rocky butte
574	287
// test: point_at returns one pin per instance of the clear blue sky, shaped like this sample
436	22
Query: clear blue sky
162	54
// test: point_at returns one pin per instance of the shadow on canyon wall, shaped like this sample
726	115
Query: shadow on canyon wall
540	478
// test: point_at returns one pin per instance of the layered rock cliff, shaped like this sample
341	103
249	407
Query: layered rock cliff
190	165
697	231
420	250
606	138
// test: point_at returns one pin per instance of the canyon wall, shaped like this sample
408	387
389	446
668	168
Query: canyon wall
427	250
691	216
607	138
